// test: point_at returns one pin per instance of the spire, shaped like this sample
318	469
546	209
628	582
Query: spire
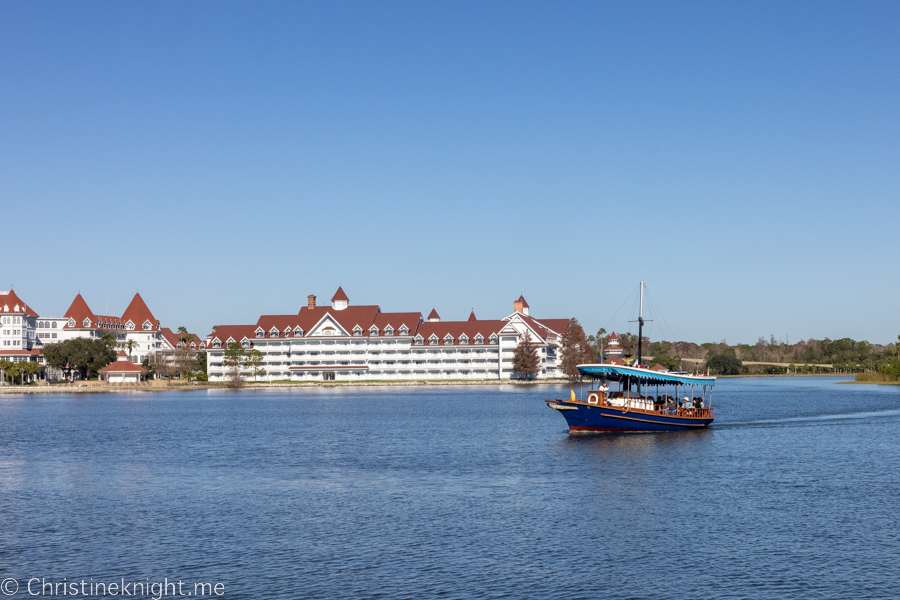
138	313
340	301
472	316
433	316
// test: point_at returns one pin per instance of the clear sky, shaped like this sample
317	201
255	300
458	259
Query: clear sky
227	159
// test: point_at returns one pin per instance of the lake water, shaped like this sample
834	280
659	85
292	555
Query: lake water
454	492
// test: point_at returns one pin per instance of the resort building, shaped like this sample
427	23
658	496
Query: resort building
613	347
24	332
362	343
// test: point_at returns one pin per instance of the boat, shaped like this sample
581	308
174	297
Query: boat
647	399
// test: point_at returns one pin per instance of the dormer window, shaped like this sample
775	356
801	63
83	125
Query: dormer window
463	339
245	343
217	344
404	330
373	331
433	339
448	339
357	331
479	339
493	339
273	333
87	322
419	340
147	326
287	332
260	333
71	322
298	331
388	330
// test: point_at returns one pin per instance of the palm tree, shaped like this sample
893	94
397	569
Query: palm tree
129	345
182	329
109	338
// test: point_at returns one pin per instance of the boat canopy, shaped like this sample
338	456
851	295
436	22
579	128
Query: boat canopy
644	376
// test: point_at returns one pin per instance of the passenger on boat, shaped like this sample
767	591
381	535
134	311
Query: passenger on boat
698	402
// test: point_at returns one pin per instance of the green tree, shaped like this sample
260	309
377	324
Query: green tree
726	363
85	355
575	350
255	361
4	368
233	360
110	339
31	369
662	357
129	345
182	329
526	364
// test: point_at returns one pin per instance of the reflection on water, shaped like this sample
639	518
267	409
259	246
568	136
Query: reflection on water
470	492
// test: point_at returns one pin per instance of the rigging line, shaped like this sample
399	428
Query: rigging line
620	308
658	312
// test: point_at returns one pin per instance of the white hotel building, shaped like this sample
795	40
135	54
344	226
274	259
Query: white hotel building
362	343
24	332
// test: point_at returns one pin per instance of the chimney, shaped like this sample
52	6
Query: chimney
517	306
311	301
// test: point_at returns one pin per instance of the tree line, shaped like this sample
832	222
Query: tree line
845	355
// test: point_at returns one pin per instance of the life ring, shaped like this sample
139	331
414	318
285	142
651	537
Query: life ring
593	398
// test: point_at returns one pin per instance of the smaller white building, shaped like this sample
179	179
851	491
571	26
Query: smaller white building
122	370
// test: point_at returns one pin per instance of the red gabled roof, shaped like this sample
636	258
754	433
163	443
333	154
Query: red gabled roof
615	360
613	336
472	316
658	367
433	315
522	300
237	332
138	313
340	295
395	320
121	354
9	301
174	338
121	366
458	328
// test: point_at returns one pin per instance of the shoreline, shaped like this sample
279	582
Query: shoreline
117	388
113	388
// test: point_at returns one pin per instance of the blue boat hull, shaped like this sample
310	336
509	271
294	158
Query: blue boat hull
596	418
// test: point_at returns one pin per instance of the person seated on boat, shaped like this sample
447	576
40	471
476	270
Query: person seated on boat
603	387
659	403
698	402
671	403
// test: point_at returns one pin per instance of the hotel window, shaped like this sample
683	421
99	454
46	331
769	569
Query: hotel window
463	340
404	331
260	333
388	331
419	341
479	339
273	334
448	340
373	331
493	339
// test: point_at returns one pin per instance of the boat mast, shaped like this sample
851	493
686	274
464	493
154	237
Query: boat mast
640	328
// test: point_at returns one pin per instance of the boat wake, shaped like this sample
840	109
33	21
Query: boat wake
813	419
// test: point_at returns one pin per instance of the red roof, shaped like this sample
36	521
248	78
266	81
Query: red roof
138	313
121	354
458	328
79	310
433	315
236	332
658	367
522	300
472	316
613	336
174	338
396	320
22	352
615	360
122	366
10	302
340	295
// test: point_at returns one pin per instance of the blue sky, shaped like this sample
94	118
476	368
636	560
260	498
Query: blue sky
227	159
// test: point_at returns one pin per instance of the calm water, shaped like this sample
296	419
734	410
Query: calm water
455	493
